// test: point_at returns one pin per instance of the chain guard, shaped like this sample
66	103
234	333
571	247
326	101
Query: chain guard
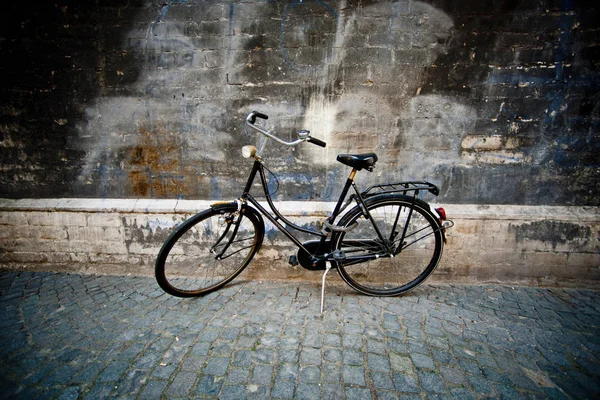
305	259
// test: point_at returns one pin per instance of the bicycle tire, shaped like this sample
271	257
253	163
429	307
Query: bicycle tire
186	267
387	276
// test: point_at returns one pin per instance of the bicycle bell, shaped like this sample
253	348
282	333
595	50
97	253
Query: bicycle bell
303	134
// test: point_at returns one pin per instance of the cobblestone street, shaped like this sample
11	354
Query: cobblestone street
78	336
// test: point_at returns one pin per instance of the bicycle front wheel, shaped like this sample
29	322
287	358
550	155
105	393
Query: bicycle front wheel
408	253
208	250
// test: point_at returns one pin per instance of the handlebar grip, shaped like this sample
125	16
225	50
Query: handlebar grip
316	141
259	115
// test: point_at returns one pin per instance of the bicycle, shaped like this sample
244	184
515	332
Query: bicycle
388	243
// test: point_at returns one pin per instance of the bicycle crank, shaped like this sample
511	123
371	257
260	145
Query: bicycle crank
306	259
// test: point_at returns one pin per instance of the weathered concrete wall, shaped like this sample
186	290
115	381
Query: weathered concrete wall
521	244
496	101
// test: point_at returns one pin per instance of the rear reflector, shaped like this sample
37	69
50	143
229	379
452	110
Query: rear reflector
441	212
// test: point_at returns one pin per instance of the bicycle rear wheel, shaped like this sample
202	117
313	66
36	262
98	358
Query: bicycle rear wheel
208	250
368	266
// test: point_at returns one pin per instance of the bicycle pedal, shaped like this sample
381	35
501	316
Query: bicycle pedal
293	260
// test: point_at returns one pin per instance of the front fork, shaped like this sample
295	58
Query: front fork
230	220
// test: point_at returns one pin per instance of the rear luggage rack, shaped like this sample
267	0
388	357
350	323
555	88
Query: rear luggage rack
401	187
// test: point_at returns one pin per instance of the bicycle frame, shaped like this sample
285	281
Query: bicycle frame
389	217
323	235
257	167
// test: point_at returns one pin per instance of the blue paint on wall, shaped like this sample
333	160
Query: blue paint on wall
330	186
576	151
216	192
565	40
272	233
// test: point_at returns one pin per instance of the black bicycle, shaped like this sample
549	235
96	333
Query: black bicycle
386	244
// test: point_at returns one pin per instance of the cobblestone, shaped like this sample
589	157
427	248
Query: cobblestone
68	336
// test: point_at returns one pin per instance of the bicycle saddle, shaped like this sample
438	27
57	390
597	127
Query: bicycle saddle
358	161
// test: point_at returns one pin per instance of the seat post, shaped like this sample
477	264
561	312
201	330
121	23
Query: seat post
352	174
338	206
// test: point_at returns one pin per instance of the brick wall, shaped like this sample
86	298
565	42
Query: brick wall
496	101
519	244
129	102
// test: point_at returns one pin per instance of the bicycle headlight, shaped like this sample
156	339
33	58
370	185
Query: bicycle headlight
248	151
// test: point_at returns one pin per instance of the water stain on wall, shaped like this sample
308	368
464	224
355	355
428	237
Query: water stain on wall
363	76
156	165
150	233
554	233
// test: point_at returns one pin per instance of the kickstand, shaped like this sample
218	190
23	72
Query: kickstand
327	268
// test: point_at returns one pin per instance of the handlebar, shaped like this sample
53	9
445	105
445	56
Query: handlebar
302	135
316	141
255	114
